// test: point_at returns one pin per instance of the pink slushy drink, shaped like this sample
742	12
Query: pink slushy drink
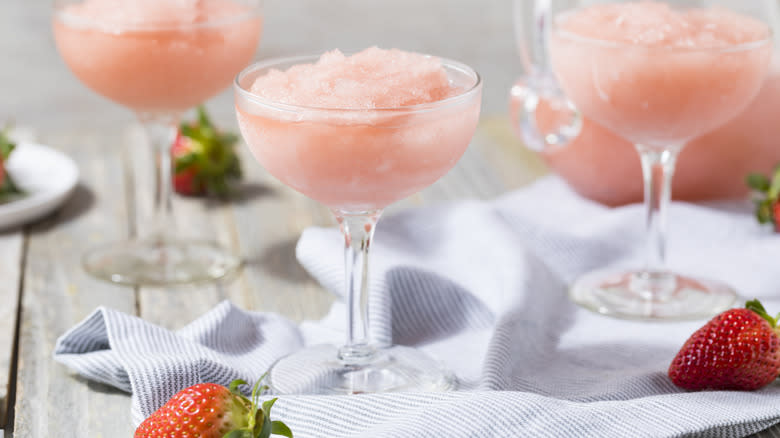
359	132
157	55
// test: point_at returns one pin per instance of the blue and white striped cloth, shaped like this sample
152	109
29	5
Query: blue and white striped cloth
482	287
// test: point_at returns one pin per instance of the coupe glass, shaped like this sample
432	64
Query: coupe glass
356	162
158	68
657	96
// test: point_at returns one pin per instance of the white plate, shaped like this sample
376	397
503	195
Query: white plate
47	177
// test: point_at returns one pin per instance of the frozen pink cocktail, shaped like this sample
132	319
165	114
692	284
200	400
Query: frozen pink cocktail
659	76
360	132
158	58
602	166
157	55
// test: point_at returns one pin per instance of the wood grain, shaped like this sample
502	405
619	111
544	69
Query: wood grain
11	248
263	224
174	307
57	294
269	220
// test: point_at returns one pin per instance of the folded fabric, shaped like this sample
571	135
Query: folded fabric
481	286
154	363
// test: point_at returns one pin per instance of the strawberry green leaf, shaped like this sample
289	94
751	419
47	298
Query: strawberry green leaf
187	130
207	155
227	138
6	148
203	118
233	387
185	161
265	431
6	145
764	211
238	434
774	186
8	190
757	181
757	307
267	405
279	428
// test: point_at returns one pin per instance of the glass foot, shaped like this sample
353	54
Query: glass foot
318	370
655	296
155	263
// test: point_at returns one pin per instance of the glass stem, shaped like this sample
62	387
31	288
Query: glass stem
160	132
540	36
358	232
657	169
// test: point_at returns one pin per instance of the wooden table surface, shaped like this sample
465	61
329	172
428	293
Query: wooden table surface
44	290
42	271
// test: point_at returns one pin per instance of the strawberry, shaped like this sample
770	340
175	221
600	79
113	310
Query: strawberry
203	158
767	197
8	189
738	349
208	410
776	215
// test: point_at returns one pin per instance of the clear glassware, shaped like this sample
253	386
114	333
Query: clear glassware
356	162
658	96
540	112
158	59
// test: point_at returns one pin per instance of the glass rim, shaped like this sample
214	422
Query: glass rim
254	11
609	44
270	63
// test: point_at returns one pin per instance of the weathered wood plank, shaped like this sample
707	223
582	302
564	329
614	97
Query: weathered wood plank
57	294
772	432
269	221
11	248
196	218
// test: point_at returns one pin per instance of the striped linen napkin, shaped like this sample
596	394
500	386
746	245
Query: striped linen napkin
482	287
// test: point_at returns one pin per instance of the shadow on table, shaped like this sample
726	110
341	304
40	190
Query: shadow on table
98	387
279	260
246	192
81	201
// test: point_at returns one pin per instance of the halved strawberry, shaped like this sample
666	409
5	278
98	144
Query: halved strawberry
208	410
203	158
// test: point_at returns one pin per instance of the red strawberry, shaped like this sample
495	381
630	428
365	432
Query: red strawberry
208	410
203	158
184	177
766	195
776	215
738	349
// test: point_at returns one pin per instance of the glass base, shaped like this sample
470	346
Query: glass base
160	263
318	370
655	296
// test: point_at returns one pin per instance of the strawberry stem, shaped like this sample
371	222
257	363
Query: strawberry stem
233	387
259	424
756	306
758	181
